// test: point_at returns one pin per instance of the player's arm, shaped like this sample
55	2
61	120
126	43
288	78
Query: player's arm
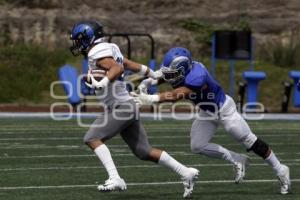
140	68
147	83
114	70
174	95
134	66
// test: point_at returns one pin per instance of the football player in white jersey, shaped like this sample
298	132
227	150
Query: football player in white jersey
121	112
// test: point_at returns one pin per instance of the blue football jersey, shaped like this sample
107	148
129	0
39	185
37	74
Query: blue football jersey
207	91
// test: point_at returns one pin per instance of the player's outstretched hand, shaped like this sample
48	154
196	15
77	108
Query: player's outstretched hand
155	74
135	95
142	88
145	85
144	99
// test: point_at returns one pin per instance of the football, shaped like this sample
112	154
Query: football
98	74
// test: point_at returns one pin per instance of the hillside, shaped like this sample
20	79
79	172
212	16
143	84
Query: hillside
171	22
48	22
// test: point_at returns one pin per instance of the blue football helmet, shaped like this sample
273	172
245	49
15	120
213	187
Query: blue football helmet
83	36
176	65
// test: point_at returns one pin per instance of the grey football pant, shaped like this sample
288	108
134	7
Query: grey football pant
204	128
124	119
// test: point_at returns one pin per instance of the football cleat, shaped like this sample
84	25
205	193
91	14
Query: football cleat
284	180
189	181
240	168
113	184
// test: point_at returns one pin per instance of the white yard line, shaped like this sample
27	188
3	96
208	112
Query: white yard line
43	146
126	166
178	153
81	138
41	138
157	129
56	156
147	116
150	137
154	128
140	184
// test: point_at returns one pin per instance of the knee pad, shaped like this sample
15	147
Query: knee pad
260	148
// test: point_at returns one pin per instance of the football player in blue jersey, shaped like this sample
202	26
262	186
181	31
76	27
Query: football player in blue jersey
191	80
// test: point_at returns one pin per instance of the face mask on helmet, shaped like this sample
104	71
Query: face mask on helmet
171	75
83	36
81	44
175	73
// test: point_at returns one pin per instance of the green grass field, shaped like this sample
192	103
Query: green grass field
47	160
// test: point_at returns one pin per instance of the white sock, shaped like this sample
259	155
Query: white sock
169	162
105	157
274	162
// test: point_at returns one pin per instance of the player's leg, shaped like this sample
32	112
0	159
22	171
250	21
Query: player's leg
95	138
201	133
282	171
136	138
235	125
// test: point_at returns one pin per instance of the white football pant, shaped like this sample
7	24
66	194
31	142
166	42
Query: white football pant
205	125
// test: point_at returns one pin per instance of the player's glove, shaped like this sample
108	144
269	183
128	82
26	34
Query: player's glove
144	99
155	74
146	71
97	84
145	84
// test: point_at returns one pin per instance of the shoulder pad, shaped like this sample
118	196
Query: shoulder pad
101	50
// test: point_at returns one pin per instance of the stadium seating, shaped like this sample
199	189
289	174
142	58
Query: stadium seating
68	74
253	78
295	75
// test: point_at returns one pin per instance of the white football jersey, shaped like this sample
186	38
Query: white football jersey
115	91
